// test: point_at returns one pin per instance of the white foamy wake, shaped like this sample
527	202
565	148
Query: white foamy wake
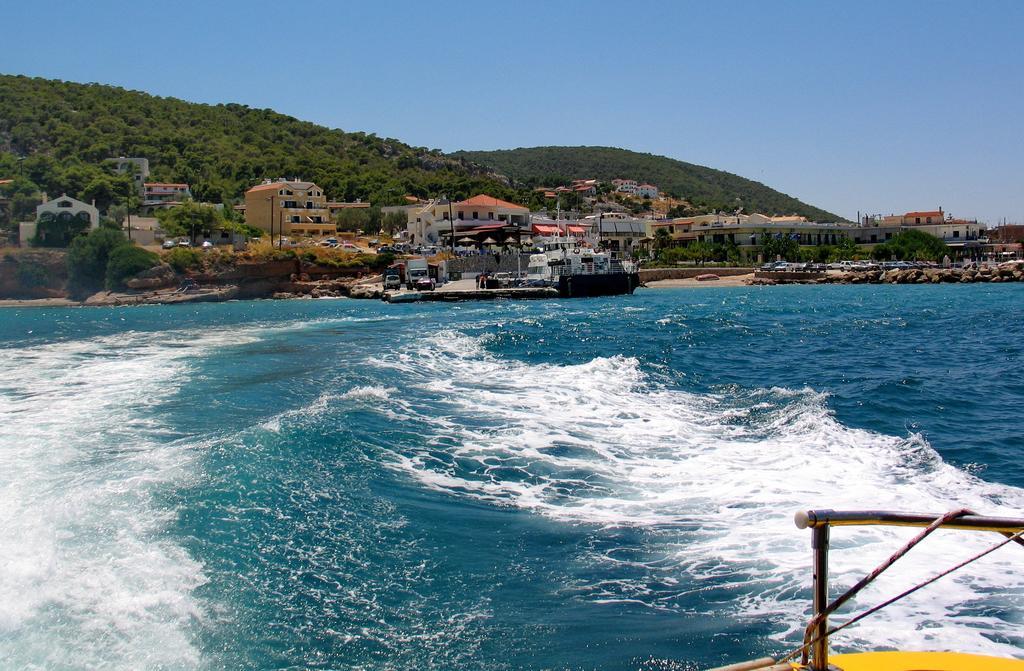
716	479
86	581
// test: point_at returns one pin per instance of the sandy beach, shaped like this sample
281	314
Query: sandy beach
37	303
731	281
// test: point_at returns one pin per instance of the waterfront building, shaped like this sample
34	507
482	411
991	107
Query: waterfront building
292	207
481	217
744	230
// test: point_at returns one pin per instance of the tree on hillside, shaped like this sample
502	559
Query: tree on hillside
191	219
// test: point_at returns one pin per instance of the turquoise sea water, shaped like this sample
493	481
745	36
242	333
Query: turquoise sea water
586	484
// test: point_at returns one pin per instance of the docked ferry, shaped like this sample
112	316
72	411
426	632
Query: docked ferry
578	270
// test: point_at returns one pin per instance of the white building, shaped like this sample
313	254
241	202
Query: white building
64	208
625	186
647	191
137	167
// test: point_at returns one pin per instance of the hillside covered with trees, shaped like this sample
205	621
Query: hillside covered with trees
65	132
57	137
706	188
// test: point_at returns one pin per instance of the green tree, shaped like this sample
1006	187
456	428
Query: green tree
701	252
87	259
394	221
779	245
352	220
191	219
662	238
845	249
126	261
911	245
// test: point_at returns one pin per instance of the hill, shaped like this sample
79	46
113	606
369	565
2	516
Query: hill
706	188
66	130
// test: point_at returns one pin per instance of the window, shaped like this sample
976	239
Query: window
460	215
309	205
295	219
888	236
874	238
317	220
490	215
64	203
917	220
929	220
956	234
476	215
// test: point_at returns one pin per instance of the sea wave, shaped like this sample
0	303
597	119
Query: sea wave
88	578
716	478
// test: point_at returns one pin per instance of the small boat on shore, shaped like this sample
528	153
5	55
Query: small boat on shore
813	654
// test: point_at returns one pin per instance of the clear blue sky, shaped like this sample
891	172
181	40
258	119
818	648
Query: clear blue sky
871	106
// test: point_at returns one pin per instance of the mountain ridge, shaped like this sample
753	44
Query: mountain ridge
708	188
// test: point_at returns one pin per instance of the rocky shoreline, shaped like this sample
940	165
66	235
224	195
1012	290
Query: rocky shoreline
1006	272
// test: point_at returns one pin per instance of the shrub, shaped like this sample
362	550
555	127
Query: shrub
127	261
88	256
183	258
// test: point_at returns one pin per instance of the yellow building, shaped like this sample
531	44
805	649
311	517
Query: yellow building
289	208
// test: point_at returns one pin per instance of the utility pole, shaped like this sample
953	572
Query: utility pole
451	222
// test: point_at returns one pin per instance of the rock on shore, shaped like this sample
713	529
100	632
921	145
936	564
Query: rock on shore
1006	272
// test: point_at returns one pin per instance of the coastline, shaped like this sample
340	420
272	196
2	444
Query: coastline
730	281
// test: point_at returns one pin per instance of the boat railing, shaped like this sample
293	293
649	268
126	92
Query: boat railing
813	652
613	268
820	522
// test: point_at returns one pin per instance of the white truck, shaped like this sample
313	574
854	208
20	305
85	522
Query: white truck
417	275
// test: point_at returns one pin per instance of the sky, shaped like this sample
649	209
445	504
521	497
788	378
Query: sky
871	107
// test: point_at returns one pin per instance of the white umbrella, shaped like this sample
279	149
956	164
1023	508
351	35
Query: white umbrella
490	241
467	240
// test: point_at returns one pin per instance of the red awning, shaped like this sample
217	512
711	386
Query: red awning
544	229
578	230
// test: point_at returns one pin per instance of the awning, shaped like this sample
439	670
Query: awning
578	230
485	227
542	229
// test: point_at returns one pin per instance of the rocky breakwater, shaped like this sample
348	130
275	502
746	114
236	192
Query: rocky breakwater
1006	272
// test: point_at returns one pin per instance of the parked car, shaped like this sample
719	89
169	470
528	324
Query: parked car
424	284
169	244
349	246
184	243
207	244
